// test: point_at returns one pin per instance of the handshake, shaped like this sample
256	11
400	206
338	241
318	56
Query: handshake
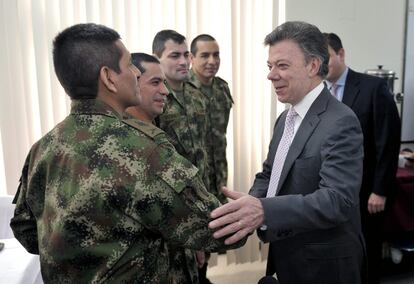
238	218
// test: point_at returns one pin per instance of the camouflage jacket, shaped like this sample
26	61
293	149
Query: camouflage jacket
183	268
100	198
218	106
185	122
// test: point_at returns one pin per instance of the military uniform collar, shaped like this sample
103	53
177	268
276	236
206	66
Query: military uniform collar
93	106
195	82
194	79
172	93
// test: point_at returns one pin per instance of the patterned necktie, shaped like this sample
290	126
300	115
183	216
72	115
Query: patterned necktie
282	150
333	89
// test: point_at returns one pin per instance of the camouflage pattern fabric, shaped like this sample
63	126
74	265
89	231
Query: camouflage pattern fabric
184	120
218	103
184	266
101	199
183	262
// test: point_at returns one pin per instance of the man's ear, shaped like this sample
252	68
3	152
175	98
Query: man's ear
341	54
106	76
314	66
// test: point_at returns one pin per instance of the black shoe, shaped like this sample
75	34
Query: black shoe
268	280
205	281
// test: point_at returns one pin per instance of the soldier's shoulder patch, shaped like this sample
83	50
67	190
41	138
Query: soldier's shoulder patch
148	129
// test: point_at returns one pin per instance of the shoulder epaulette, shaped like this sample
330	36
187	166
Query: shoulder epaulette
148	129
223	84
191	84
220	80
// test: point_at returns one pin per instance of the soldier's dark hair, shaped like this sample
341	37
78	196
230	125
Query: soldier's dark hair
202	37
79	53
158	44
138	58
333	41
309	38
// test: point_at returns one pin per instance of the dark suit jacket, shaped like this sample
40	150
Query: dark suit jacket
313	224
376	110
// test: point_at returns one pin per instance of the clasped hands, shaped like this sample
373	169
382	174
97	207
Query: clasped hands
238	218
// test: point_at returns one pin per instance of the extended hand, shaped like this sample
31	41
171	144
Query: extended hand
376	203
241	216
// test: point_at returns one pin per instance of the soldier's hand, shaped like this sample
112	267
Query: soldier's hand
241	216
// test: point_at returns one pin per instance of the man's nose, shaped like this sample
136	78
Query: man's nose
183	60
164	90
211	60
273	74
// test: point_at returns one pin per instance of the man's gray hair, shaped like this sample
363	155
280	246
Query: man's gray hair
309	38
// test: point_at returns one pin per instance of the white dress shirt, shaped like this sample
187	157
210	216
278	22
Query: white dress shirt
303	106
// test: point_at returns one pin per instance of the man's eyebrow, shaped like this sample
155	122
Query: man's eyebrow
156	78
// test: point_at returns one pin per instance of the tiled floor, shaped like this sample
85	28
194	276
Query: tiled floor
246	273
250	273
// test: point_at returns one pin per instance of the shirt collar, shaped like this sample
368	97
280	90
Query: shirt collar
196	82
341	80
303	106
93	106
194	79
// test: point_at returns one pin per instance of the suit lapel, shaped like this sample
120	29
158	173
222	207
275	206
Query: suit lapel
351	90
308	125
277	136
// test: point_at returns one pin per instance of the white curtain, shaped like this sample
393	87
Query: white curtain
32	100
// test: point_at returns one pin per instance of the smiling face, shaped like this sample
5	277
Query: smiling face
175	62
291	77
206	61
153	93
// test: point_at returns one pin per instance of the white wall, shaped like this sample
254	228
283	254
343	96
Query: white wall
372	31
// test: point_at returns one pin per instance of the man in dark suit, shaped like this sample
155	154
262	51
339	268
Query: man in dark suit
305	201
369	97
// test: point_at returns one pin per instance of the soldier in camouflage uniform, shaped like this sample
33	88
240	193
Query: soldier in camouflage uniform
205	59
153	93
100	197
184	120
152	89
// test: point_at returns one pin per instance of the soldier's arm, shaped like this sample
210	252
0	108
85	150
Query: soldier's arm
23	222
181	207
